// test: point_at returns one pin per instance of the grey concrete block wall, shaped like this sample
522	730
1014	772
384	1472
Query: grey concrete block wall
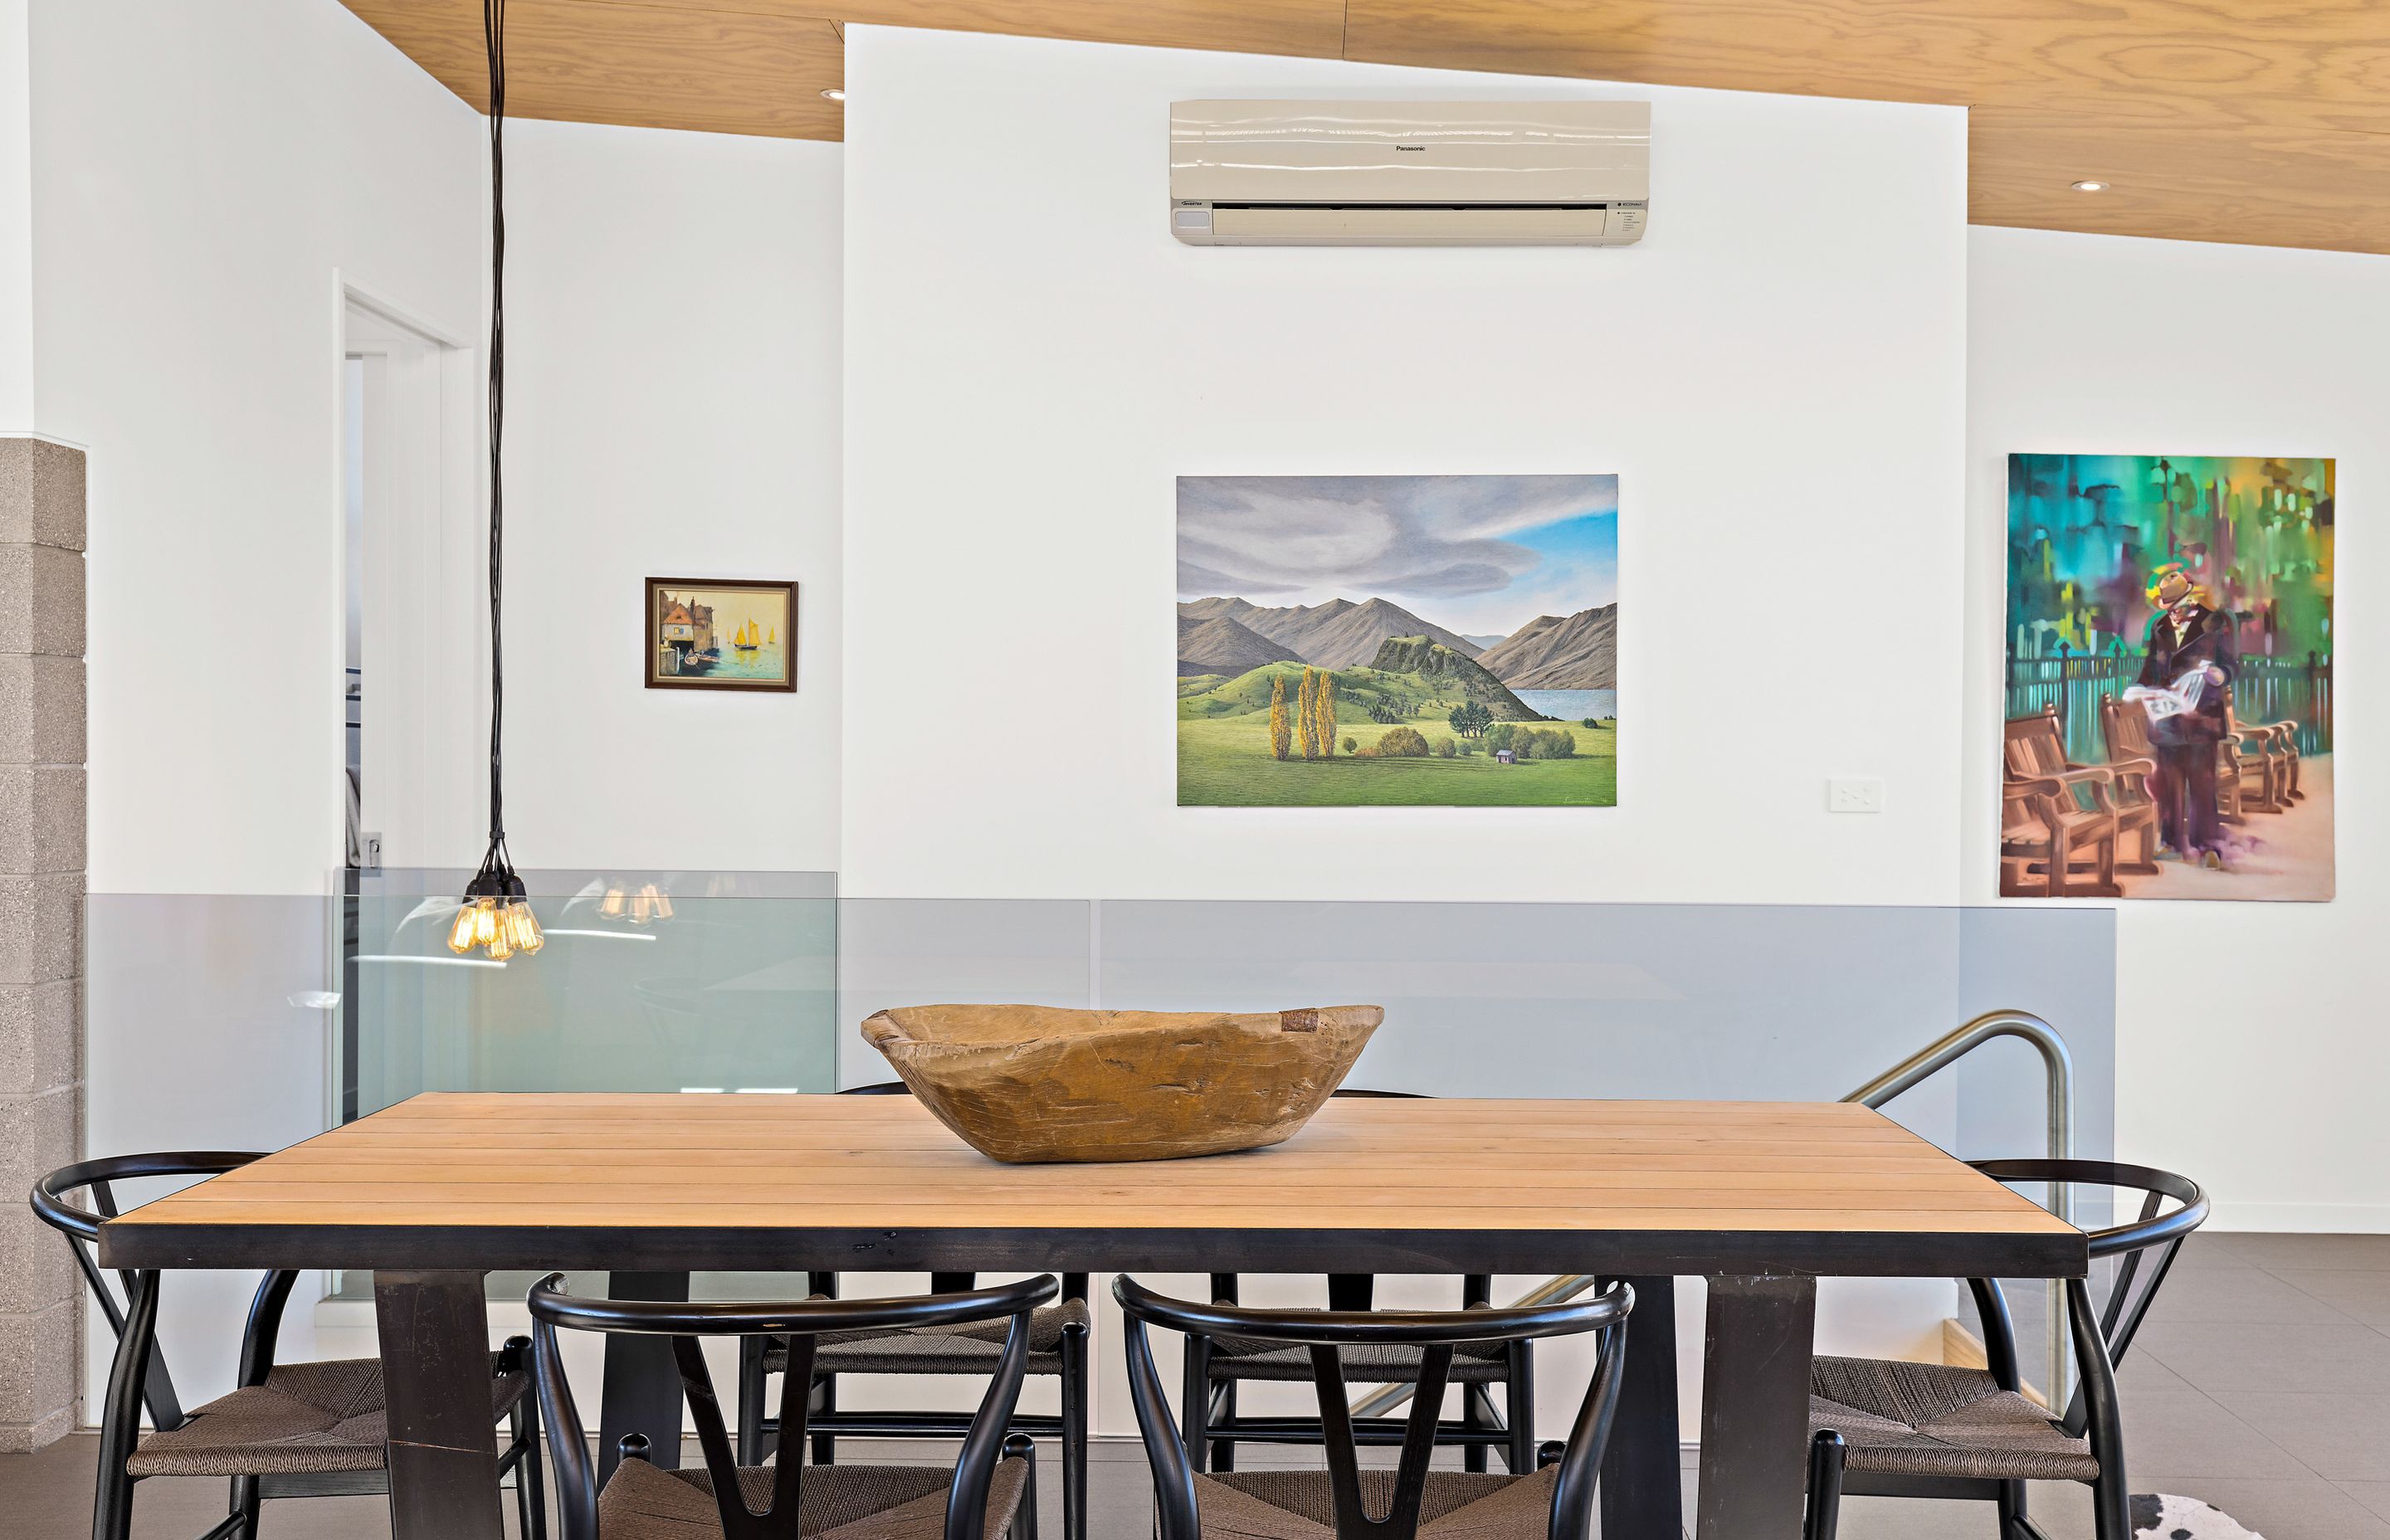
43	802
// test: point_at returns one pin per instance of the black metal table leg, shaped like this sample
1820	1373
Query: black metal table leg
1756	1407
443	1449
642	1386
1642	1487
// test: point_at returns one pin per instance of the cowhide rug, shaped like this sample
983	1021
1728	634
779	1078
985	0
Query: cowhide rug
2162	1517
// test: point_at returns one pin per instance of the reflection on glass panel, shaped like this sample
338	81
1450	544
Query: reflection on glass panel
648	982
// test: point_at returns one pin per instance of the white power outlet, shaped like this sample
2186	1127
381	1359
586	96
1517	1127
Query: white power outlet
1855	795
369	853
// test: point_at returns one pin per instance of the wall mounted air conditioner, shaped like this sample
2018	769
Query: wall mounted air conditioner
1409	173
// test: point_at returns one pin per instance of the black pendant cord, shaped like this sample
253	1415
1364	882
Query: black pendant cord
496	876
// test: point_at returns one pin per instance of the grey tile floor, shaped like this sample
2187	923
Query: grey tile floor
2261	1383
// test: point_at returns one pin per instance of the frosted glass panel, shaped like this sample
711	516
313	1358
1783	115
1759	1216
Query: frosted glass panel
728	984
757	982
1559	999
1653	1000
939	951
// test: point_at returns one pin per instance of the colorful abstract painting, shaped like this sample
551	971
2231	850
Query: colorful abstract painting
2169	677
1348	641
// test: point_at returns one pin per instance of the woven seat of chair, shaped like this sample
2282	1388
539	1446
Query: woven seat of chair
1300	1505
1934	1419
1367	1363
306	1420
972	1349
834	1502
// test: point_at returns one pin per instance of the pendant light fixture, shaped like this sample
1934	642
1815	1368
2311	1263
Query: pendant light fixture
496	916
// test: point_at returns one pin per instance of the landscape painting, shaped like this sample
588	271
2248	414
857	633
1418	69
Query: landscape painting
721	634
2169	689
1397	641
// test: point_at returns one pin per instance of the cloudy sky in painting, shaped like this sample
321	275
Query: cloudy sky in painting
1477	553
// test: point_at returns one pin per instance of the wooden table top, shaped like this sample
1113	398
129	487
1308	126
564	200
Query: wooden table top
672	1181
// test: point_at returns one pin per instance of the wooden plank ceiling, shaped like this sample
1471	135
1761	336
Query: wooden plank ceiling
2258	120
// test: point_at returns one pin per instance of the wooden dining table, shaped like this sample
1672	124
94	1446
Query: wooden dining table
1761	1199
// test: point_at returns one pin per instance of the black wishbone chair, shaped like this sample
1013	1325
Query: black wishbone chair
1346	1502
1897	1430
1058	1346
311	1430
1213	1368
990	1494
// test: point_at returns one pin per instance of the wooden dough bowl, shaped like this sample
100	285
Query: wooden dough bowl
1038	1083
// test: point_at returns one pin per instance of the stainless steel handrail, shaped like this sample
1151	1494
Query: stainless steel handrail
2057	1070
2058	1067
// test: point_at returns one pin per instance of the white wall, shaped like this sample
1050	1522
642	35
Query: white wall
15	218
1776	373
2247	1053
673	411
203	175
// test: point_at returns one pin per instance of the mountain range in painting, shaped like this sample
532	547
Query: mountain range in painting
1551	652
1338	634
1559	652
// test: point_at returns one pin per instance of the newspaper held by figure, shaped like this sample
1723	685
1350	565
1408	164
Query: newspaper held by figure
2179	697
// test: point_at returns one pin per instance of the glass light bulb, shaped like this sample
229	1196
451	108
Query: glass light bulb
460	935
612	905
664	905
524	927
498	949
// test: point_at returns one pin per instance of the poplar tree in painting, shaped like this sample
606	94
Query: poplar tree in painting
1278	728
1306	718
1323	700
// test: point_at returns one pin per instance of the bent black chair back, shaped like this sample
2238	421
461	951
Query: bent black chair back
133	1314
2143	1249
802	1323
138	1376
1323	1333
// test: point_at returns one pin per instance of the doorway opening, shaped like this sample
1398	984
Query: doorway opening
408	644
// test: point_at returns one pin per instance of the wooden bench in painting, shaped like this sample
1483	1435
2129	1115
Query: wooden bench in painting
2061	823
2270	750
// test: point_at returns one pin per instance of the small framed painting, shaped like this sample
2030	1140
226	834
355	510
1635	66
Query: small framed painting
726	634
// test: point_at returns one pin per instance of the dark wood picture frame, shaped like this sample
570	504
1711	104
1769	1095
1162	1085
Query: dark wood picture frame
654	643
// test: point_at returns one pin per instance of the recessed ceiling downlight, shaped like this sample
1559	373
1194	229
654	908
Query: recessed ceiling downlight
2092	186
835	92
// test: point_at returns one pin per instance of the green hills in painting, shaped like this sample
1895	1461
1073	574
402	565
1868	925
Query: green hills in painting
1421	714
1411	678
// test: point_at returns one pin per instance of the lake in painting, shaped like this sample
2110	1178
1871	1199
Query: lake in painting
1573	705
